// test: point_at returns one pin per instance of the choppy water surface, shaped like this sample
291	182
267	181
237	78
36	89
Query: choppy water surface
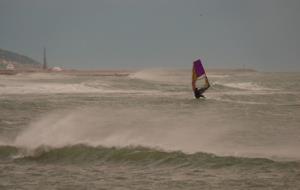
146	131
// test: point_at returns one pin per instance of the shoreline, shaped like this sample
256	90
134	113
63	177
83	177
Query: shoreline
72	72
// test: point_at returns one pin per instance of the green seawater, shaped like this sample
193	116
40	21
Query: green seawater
146	131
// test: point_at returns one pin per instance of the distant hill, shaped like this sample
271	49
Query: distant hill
19	62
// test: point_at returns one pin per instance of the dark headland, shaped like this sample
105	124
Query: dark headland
12	63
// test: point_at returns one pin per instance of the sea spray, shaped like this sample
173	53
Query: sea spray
145	134
122	127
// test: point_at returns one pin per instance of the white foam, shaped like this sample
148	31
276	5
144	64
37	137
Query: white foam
22	86
67	89
245	86
217	76
218	98
163	75
46	88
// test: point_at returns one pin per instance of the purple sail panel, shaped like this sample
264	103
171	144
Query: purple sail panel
198	68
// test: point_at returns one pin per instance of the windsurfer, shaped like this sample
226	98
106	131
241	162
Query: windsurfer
199	73
199	92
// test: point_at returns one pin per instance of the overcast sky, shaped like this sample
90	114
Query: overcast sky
258	34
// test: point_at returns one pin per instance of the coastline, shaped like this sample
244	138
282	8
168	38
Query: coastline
72	72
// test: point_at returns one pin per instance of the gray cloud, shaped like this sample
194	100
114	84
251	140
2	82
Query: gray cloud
261	34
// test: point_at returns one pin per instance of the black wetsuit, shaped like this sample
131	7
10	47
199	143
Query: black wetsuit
199	92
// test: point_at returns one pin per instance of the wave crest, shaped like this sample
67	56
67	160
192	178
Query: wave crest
144	156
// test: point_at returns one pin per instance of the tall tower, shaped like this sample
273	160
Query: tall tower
45	60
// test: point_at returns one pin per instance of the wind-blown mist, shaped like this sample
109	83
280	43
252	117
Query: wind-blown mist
123	127
124	130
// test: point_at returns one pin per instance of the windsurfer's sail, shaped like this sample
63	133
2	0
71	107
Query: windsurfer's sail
198	69
199	77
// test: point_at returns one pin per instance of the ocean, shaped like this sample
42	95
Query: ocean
146	131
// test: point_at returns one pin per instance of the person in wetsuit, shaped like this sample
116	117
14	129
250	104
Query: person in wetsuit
199	92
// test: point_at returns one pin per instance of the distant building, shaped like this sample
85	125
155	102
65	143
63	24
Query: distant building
56	69
10	66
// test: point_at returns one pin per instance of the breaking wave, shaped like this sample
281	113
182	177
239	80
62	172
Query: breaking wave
83	154
245	86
